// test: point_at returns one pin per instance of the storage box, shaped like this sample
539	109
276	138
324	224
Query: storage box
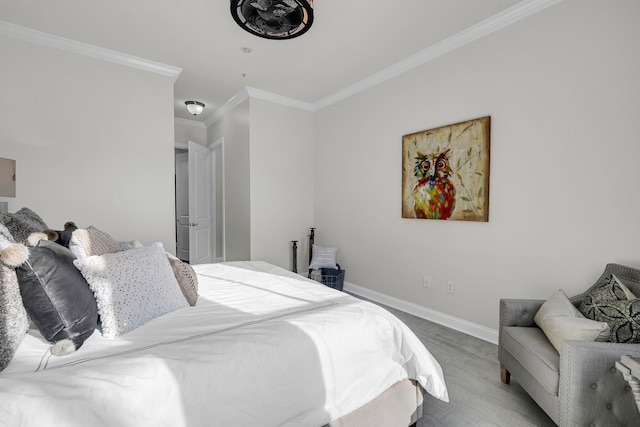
329	277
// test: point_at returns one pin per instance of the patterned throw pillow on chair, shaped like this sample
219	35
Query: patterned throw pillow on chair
613	303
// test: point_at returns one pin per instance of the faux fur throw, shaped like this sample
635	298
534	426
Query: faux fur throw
22	223
13	316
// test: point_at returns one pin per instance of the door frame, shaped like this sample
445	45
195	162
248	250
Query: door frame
182	190
217	149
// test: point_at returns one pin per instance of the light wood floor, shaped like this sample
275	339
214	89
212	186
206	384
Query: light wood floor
471	370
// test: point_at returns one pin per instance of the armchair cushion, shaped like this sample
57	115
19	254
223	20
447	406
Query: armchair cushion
531	348
560	320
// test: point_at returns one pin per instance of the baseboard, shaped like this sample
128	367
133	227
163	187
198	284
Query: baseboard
469	328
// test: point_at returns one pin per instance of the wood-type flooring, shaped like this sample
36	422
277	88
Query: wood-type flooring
471	370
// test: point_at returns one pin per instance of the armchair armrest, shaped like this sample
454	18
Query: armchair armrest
515	312
592	391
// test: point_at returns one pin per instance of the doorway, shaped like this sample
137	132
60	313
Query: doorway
182	204
199	207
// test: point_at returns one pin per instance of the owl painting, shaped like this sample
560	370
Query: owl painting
434	194
445	172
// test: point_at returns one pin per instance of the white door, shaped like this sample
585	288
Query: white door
182	206
200	206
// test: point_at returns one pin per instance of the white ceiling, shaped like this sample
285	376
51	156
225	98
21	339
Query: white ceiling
350	40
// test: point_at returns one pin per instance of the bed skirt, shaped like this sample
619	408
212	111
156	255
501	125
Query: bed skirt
400	405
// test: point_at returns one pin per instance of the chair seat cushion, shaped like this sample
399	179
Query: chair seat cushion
530	347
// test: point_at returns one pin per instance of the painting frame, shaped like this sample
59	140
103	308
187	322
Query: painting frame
445	172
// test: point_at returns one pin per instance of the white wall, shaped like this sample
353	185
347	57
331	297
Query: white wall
268	151
561	88
85	150
281	182
563	93
190	130
234	128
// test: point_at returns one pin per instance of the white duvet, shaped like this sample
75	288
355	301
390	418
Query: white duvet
258	349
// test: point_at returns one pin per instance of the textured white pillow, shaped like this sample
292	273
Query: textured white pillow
130	244
91	241
186	277
131	287
560	320
323	257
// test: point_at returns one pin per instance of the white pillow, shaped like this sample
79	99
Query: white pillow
91	241
130	244
131	287
322	257
560	320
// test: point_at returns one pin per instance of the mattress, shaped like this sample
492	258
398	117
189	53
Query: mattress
262	346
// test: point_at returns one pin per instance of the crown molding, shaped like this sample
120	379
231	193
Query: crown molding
475	32
279	99
250	92
190	123
73	46
232	103
494	23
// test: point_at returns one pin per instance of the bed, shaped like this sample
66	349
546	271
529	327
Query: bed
261	347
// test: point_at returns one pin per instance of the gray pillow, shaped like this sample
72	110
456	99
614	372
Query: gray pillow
22	223
609	302
57	297
186	277
13	317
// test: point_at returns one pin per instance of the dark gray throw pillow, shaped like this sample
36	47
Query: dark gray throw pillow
609	303
57	297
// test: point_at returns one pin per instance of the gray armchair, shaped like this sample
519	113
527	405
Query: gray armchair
578	387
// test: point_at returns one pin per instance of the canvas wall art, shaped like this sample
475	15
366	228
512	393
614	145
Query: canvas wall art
445	172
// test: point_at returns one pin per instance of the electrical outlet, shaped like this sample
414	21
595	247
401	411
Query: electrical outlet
426	281
450	288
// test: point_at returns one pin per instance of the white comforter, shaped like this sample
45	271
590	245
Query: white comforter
258	349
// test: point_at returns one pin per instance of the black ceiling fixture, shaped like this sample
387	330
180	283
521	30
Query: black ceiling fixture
273	19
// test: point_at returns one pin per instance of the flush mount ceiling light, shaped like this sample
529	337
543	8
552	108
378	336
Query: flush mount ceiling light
195	107
273	19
